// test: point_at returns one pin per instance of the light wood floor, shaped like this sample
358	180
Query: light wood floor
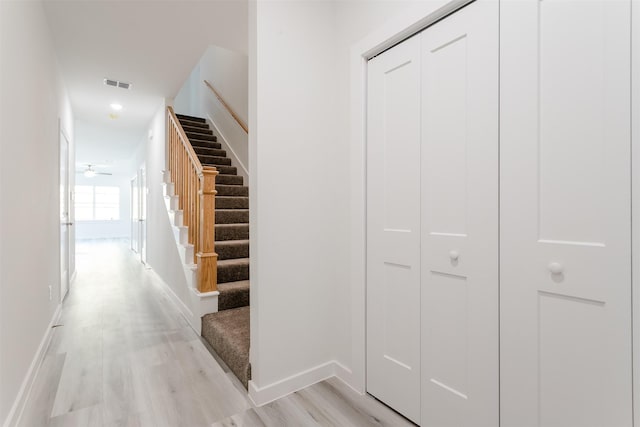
124	356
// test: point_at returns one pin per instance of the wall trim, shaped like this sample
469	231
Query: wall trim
262	395
407	23
15	414
177	302
243	171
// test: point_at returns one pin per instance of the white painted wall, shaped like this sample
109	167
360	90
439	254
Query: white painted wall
33	99
162	252
187	101
227	71
297	204
108	229
306	308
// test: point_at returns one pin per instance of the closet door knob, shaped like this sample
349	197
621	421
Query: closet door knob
454	255
556	268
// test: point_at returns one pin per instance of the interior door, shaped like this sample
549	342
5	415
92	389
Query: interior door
135	216
142	191
65	221
393	222
460	219
565	214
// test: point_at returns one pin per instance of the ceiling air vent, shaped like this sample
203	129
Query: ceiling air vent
116	83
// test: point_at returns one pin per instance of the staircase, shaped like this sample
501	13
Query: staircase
227	331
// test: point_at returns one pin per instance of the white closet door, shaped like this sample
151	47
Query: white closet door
460	219
393	235
565	214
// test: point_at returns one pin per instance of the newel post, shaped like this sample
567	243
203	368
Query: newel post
207	257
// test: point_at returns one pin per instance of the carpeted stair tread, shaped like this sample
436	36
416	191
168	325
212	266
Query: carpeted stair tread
229	179
191	118
214	160
222	169
206	151
232	202
232	216
233	270
189	123
232	190
232	249
201	137
205	144
227	331
225	232
197	129
233	295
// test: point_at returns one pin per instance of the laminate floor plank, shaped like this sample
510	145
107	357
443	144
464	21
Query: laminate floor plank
124	356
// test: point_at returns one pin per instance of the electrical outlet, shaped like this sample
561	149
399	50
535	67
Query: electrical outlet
50	292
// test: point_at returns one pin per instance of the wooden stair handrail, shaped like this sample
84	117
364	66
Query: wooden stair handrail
229	109
185	141
195	186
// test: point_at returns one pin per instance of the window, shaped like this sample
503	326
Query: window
97	203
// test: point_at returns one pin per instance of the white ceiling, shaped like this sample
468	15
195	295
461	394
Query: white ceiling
109	148
152	44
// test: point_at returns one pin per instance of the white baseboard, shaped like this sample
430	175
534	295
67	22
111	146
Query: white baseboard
345	375
263	395
177	302
13	418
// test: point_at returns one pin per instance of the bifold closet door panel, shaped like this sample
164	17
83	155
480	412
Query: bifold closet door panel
565	213
460	219
393	228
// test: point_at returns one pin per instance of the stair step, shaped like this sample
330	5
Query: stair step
190	118
232	216
198	130
205	144
214	160
233	295
232	249
233	270
201	137
192	124
225	232
232	190
227	332
228	179
232	202
205	151
222	169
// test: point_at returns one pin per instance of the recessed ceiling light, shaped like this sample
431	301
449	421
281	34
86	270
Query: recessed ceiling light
116	107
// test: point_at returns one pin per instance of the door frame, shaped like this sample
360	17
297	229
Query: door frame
134	214
62	133
142	213
409	22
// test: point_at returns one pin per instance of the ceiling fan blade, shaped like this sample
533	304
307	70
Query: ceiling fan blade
103	173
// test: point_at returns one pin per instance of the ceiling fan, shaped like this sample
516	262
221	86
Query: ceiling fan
90	171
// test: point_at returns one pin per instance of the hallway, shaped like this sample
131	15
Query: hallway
124	356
